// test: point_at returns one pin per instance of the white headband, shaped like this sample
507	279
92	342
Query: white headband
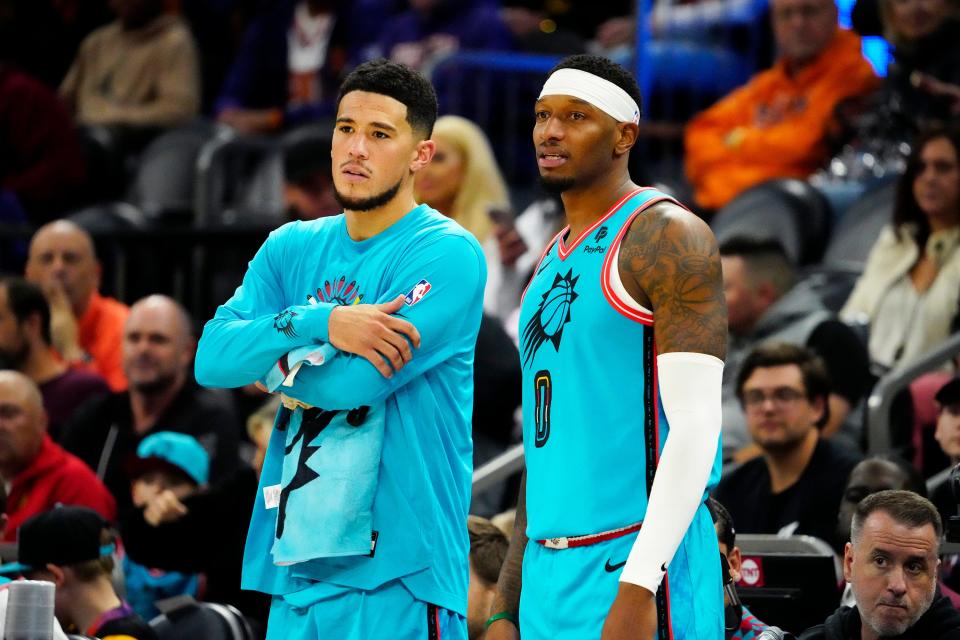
602	94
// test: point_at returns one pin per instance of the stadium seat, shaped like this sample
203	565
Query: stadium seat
104	162
262	197
164	182
791	582
225	167
791	211
109	216
859	228
832	286
183	617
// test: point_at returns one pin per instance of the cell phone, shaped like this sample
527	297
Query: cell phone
501	216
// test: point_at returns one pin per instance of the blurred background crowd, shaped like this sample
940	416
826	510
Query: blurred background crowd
147	147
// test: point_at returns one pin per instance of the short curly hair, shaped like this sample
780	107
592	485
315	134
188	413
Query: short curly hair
488	548
606	69
401	83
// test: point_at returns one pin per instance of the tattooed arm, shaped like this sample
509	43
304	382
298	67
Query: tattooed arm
507	598
669	263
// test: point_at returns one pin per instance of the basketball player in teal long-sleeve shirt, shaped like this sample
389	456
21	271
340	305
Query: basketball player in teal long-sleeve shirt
396	289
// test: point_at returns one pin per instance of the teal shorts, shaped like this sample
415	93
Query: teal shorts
567	593
390	611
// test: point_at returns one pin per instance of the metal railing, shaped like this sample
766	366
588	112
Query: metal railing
679	70
881	398
198	266
498	469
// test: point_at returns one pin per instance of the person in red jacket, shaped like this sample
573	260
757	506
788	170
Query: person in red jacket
38	472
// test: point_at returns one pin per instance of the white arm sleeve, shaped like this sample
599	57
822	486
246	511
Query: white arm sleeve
690	392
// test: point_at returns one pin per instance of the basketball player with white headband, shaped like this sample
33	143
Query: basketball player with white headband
623	333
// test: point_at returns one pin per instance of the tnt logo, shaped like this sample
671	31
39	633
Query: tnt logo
416	294
751	572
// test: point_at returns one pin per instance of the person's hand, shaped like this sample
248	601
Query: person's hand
520	20
64	331
633	615
616	31
501	630
164	507
372	332
933	86
412	54
292	403
441	45
510	243
251	121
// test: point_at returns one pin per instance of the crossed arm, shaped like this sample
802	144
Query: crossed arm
246	337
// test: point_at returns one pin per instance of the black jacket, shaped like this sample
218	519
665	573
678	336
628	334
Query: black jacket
936	55
101	432
812	501
940	622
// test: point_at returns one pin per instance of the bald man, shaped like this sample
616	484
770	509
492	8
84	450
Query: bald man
86	328
874	474
158	348
37	471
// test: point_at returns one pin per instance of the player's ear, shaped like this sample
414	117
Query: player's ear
626	137
422	155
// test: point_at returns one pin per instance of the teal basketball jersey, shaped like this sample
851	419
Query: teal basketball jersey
593	425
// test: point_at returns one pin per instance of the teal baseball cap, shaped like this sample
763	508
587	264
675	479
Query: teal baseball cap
166	449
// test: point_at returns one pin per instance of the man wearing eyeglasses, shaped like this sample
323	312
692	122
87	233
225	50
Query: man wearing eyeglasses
796	486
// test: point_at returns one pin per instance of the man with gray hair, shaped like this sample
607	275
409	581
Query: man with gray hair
158	350
891	562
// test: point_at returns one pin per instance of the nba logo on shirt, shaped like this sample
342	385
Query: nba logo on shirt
416	294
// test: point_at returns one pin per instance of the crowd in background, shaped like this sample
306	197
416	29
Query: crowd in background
98	404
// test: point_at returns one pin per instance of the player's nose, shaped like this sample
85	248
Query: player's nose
551	129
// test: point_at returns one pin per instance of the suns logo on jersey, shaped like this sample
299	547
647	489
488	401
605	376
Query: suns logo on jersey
283	323
551	317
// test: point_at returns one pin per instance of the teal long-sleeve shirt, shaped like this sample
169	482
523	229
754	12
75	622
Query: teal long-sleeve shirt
293	283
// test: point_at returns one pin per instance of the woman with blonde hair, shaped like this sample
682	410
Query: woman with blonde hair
463	180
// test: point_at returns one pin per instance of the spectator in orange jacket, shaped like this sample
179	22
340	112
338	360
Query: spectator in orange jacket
38	472
773	127
86	328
